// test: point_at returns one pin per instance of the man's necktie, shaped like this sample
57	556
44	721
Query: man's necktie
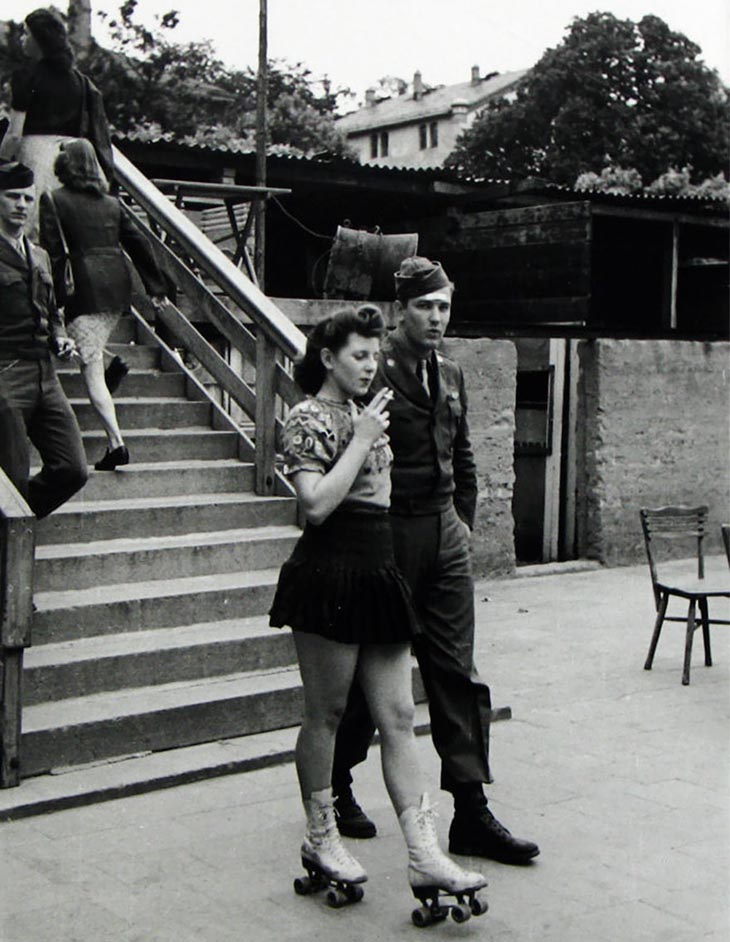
422	374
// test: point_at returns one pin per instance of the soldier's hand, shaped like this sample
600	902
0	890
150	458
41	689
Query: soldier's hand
65	348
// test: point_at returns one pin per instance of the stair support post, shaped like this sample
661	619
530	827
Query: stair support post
17	549
265	455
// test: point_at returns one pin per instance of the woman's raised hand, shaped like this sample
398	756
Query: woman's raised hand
374	420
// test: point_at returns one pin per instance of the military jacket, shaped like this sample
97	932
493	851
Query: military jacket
433	461
29	316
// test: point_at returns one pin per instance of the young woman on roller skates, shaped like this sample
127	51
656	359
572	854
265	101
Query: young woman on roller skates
349	607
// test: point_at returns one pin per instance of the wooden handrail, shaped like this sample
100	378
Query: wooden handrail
216	265
275	333
17	548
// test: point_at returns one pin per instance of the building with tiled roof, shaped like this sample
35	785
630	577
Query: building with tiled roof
419	128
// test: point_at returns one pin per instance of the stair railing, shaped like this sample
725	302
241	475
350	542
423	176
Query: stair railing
275	340
17	546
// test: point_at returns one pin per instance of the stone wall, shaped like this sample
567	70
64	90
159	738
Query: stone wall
652	430
490	370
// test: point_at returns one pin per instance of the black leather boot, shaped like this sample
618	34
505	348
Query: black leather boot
475	832
351	819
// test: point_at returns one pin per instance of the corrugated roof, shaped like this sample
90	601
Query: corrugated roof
405	108
537	186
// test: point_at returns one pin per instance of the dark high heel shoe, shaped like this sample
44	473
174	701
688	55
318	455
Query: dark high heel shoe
113	458
115	373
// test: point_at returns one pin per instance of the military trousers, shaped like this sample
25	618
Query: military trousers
433	553
34	409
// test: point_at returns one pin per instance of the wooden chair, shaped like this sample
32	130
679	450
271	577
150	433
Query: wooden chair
725	530
680	523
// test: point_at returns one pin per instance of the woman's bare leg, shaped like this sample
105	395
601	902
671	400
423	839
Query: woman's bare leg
384	672
327	669
101	400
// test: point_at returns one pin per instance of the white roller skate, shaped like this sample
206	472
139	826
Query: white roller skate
432	874
329	864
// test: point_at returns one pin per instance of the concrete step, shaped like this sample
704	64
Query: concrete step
67	566
138	384
148	445
84	521
144	772
168	478
148	658
86	729
125	330
146	413
137	357
139	606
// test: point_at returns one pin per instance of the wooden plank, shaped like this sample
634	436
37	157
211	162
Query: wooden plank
549	213
568	232
219	190
290	393
17	543
553	461
229	323
11	717
522	311
669	278
667	215
213	362
265	415
233	282
568	510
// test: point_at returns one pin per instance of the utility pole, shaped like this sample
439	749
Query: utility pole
261	135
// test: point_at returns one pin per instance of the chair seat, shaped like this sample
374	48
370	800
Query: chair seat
677	578
694	588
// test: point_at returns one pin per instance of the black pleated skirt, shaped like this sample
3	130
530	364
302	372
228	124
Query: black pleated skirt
341	582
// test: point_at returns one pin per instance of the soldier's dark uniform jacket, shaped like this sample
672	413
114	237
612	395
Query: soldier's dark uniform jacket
433	458
29	318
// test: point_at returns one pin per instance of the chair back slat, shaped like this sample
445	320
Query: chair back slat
673	523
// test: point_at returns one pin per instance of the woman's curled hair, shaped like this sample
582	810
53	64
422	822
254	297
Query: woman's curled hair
78	168
332	334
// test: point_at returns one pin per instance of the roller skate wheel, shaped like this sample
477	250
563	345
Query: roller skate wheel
478	906
422	917
355	893
460	912
335	898
302	886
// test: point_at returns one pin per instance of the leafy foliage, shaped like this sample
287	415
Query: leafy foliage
614	92
157	87
672	182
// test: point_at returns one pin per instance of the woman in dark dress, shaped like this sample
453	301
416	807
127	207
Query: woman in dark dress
52	102
95	231
346	602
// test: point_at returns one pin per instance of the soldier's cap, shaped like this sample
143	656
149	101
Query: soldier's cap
418	276
14	175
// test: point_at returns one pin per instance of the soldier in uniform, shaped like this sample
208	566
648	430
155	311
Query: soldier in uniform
33	407
433	504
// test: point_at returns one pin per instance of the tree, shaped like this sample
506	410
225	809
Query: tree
614	92
182	91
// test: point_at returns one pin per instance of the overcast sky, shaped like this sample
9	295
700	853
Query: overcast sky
355	43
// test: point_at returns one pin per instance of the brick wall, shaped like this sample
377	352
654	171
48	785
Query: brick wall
490	370
652	430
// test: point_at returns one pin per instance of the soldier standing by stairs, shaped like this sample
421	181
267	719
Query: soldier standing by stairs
33	407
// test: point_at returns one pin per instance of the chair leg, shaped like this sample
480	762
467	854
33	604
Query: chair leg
691	625
661	612
705	616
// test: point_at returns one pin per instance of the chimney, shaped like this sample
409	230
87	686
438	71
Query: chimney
79	24
369	97
475	80
417	86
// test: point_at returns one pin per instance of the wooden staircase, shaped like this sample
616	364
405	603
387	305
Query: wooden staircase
152	585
